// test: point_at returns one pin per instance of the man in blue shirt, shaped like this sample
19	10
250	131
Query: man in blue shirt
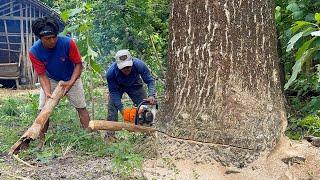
126	76
57	58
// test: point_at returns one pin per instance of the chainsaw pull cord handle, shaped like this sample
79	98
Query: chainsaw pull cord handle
144	102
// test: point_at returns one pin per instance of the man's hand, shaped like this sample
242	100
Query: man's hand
48	95
67	85
152	100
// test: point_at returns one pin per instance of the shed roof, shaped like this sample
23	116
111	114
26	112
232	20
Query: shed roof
8	8
16	17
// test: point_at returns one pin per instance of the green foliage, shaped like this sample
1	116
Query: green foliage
307	56
103	27
125	160
298	25
138	25
10	107
65	134
311	124
15	115
307	48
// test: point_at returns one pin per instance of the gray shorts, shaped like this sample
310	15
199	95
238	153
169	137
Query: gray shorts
75	94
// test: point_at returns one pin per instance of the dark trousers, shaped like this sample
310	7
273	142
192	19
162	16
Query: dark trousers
136	94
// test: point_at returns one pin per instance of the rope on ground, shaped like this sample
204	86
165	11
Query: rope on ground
22	161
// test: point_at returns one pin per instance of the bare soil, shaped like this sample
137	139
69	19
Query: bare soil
9	92
269	166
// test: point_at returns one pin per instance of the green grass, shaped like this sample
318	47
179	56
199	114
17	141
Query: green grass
65	134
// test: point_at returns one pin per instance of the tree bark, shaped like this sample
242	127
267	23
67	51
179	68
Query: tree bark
33	132
223	90
118	126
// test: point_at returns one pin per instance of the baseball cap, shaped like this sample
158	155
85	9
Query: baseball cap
123	58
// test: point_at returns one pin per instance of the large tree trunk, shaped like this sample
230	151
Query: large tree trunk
223	100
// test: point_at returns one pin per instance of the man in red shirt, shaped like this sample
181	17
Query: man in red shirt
56	58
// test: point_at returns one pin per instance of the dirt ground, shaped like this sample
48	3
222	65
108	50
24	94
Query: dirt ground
9	92
305	164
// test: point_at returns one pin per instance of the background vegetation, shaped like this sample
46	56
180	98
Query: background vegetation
101	27
299	44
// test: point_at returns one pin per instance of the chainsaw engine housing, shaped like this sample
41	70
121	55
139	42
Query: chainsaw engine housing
148	114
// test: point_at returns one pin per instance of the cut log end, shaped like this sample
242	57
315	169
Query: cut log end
21	144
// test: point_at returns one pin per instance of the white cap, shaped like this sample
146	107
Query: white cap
123	58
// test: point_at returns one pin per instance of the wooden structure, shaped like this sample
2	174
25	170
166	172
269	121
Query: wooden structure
16	37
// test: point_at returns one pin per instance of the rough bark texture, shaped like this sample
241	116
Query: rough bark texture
223	87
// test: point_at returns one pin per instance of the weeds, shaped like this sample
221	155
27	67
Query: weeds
65	135
125	160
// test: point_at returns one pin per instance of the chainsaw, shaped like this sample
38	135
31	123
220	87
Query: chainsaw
144	114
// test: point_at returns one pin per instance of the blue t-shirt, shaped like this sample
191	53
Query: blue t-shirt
59	62
119	83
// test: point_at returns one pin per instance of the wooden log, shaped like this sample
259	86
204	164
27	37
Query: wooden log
33	132
118	126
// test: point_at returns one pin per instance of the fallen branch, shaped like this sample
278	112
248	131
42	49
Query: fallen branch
118	126
33	132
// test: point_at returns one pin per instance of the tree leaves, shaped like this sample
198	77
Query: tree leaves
306	51
65	15
304	48
300	16
93	55
306	32
300	24
317	17
307	56
297	12
315	33
278	14
293	40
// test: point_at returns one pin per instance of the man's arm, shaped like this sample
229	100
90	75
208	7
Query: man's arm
114	91
75	75
75	57
45	84
147	78
41	71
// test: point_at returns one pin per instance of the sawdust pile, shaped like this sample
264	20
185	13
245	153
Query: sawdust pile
289	160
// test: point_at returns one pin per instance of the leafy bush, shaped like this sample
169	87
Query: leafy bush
307	50
311	124
10	107
299	43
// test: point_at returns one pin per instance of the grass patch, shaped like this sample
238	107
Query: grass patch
65	134
126	160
